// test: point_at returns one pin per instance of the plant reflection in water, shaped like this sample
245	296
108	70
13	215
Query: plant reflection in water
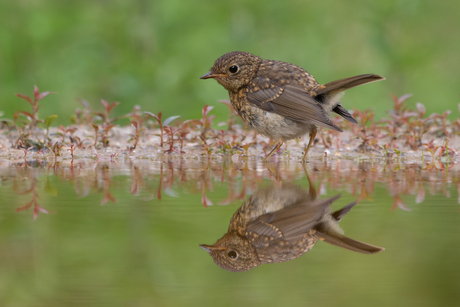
149	180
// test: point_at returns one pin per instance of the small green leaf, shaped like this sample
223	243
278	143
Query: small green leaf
169	120
49	120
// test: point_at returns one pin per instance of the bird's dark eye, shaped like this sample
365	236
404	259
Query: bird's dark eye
233	69
232	254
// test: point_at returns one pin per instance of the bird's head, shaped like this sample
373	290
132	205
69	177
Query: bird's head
233	253
234	70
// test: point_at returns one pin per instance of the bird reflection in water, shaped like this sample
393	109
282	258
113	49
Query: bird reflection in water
281	223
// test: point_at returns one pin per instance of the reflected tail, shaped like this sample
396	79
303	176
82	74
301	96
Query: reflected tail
348	243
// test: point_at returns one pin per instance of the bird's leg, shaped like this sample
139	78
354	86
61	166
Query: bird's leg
312	138
312	189
277	146
275	174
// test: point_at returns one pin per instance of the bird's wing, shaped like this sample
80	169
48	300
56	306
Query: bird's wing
344	113
293	222
292	102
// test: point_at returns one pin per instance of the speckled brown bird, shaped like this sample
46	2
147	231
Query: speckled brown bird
281	100
278	224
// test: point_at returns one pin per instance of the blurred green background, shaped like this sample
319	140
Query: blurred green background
152	53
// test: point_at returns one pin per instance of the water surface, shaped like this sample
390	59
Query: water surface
104	233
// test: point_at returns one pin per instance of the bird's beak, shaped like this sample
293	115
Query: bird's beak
211	75
210	248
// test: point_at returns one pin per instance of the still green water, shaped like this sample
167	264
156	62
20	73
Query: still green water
107	233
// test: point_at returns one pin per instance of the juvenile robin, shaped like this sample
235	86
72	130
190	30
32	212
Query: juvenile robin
278	224
281	100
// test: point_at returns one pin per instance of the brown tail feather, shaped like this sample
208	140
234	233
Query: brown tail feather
348	243
344	84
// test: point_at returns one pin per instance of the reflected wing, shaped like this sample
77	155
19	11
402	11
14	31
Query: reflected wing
292	102
291	223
